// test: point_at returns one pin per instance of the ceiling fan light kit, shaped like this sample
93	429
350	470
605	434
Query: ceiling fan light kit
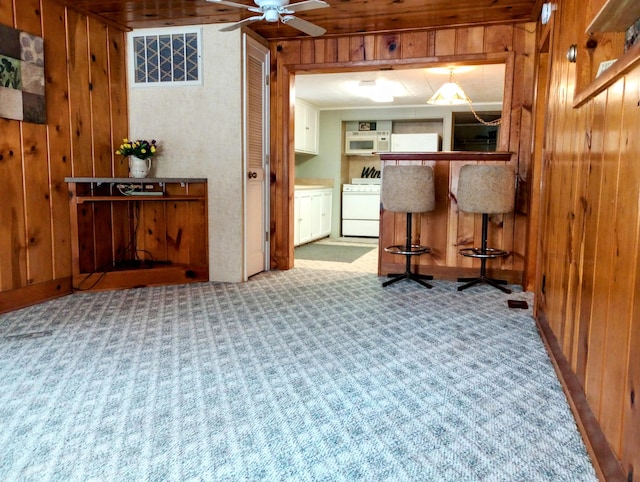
273	11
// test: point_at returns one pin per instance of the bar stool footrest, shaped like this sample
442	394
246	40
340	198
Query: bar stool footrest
413	250
488	253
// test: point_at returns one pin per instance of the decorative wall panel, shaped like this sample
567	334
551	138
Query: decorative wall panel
21	76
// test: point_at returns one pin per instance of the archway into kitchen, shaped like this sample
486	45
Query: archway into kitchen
342	119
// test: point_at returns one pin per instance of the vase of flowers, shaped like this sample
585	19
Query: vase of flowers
140	153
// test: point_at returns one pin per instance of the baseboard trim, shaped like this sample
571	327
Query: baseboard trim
33	294
606	464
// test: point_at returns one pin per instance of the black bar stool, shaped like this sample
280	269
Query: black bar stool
408	189
486	190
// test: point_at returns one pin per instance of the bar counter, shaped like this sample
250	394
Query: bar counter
446	230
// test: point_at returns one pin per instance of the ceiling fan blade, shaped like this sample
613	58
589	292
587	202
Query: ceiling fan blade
239	24
306	5
230	4
304	26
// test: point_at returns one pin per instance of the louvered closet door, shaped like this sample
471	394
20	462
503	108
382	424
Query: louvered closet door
256	123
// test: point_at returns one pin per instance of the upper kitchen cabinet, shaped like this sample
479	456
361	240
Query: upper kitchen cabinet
610	49
306	128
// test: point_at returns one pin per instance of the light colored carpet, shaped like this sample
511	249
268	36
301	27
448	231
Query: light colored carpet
304	375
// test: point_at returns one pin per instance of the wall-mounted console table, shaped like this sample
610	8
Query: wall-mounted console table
128	232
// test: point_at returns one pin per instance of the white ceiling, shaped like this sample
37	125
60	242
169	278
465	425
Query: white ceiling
410	87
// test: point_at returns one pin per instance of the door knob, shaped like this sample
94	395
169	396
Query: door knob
253	174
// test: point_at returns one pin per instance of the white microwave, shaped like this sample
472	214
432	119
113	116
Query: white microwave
365	143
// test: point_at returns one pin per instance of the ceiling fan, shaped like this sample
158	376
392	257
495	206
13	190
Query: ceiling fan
278	10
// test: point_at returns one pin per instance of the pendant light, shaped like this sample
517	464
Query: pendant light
450	93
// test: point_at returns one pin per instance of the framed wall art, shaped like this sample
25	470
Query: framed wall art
22	76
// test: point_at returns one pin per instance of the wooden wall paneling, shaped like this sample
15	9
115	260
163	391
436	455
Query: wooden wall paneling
122	220
344	49
500	38
628	188
575	342
525	45
99	92
177	227
198	230
86	243
6	13
118	95
416	45
453	242
102	235
466	227
553	268
437	237
27	16
330	50
79	98
357	51
623	233
595	127
152	230
35	171
445	42
37	209
13	256
388	47
319	50
531	280
504	135
470	40
602	258
58	134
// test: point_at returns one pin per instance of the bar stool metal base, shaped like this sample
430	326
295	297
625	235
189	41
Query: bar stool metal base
483	253
408	250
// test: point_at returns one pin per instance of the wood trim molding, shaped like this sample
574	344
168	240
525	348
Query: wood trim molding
34	294
604	460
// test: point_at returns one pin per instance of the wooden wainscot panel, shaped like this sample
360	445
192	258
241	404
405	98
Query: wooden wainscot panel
100	100
79	98
13	258
58	132
38	216
118	92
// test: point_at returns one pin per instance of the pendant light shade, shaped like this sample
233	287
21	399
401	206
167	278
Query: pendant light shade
450	93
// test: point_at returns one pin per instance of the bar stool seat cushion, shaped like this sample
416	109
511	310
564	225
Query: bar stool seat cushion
408	189
486	189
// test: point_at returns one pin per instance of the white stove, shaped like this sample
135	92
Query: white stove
361	207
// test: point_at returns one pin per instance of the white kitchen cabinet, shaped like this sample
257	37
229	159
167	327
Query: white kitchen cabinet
312	214
306	137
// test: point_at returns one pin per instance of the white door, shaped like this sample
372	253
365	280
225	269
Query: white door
256	154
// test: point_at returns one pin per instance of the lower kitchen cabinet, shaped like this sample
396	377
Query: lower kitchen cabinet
312	214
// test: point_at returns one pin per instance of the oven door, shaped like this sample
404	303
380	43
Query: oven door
361	214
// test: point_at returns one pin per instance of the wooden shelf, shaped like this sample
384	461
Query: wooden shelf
615	16
124	240
623	65
133	197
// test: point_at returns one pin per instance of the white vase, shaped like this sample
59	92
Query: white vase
139	167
